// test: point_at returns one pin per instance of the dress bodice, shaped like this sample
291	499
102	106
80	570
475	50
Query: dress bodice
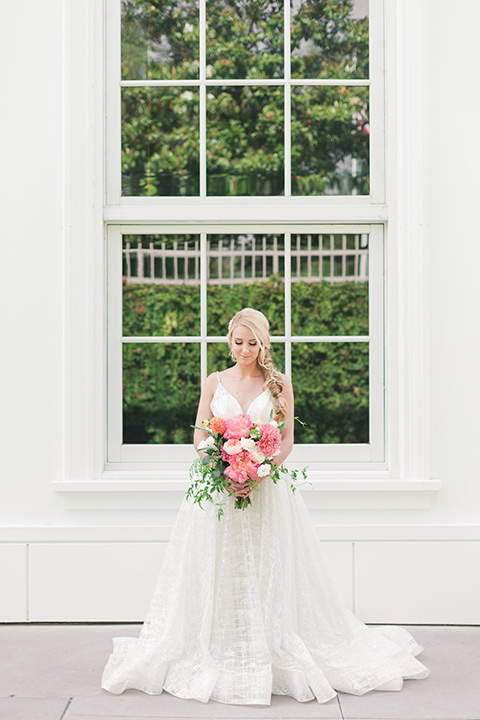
227	406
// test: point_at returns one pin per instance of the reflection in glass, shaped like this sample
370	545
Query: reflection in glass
329	40
245	271
160	141
161	285
331	383
330	141
244	39
245	141
160	40
161	387
329	284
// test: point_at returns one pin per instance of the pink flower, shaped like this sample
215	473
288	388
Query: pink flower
238	476
231	447
271	440
242	467
237	427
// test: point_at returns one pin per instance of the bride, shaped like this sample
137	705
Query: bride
245	606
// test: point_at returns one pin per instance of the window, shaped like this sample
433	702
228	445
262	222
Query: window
245	166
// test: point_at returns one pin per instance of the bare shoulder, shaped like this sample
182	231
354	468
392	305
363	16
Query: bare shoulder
211	382
226	371
287	383
208	391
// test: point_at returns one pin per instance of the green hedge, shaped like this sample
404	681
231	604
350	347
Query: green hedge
161	383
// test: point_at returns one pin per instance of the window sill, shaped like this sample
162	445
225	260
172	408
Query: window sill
139	494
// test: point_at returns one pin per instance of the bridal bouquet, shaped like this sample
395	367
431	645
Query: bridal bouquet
237	451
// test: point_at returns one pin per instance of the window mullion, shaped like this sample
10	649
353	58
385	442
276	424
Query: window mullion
203	306
115	345
376	360
288	304
203	102
113	99
376	102
287	100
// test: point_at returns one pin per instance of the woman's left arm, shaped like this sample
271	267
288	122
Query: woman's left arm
287	432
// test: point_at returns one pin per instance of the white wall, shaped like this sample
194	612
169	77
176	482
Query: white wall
69	563
454	107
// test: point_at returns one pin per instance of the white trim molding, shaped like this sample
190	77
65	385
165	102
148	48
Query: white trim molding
150	494
406	251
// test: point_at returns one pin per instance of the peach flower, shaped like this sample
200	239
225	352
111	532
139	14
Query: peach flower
232	447
217	425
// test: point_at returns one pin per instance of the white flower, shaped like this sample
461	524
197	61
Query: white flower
188	28
247	443
258	455
264	470
205	444
274	423
187	95
251	446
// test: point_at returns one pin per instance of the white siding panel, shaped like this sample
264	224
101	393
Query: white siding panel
93	581
339	558
418	583
74	582
13	594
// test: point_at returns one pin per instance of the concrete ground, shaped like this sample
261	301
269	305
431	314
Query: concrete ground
52	672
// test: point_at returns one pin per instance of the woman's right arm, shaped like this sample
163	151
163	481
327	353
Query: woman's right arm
204	412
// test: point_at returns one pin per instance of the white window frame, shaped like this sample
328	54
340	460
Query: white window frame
406	481
143	210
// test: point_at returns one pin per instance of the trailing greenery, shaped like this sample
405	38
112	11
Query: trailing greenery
161	382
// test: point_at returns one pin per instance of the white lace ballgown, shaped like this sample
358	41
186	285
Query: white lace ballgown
245	607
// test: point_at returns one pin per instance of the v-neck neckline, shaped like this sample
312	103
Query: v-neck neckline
247	412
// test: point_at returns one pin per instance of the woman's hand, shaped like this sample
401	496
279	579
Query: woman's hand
243	490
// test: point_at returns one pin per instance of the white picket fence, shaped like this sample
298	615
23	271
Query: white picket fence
248	259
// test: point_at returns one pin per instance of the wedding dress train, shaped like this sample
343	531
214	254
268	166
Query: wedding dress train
245	607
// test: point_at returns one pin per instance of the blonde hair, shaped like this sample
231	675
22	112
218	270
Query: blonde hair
258	324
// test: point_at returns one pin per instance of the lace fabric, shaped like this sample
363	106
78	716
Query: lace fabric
245	607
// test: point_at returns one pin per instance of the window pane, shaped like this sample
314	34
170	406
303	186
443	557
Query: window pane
245	271
161	285
245	141
329	284
329	39
331	384
330	141
160	141
218	357
159	40
161	388
244	39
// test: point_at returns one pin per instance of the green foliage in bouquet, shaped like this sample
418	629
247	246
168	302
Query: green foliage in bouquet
209	480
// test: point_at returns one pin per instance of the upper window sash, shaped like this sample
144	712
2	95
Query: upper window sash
144	207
